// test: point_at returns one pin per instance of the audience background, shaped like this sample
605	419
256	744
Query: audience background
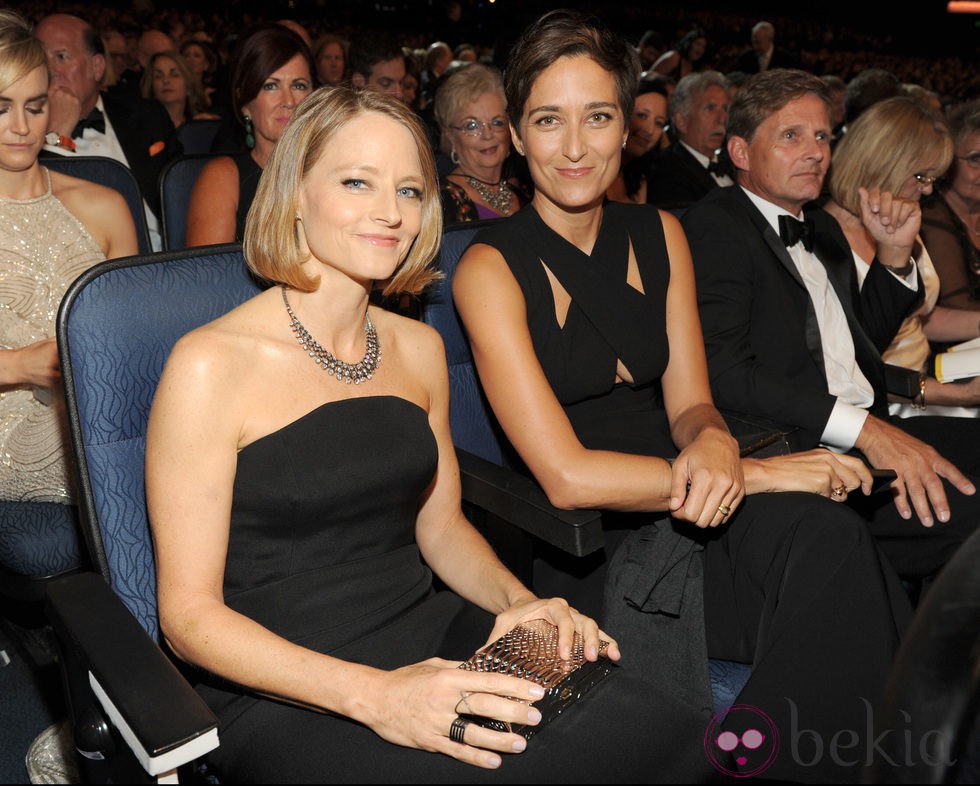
930	47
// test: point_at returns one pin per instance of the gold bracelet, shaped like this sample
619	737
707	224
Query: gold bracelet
919	402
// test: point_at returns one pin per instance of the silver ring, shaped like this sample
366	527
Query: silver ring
457	729
463	700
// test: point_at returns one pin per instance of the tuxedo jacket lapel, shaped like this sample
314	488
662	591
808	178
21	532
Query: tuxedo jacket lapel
700	175
782	257
839	264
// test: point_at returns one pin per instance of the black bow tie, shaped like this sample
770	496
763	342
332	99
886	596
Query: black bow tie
792	232
717	168
94	119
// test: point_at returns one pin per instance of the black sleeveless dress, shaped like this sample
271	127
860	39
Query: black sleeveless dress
248	181
793	584
322	552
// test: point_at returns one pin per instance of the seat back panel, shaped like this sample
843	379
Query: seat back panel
116	327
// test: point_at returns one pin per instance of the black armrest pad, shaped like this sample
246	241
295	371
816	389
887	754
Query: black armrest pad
156	702
519	500
902	382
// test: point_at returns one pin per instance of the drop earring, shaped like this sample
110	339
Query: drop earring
249	132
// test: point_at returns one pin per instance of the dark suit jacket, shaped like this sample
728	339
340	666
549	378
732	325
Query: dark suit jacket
677	179
765	355
147	137
748	61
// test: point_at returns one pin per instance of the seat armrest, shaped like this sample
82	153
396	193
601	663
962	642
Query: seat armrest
518	500
156	711
903	382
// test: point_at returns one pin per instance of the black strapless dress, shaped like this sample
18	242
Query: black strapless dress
322	552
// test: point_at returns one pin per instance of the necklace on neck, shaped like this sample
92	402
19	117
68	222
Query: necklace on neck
358	372
498	196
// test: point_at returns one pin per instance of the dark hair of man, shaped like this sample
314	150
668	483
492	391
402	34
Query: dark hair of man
964	119
768	92
869	87
566	33
265	50
651	38
368	49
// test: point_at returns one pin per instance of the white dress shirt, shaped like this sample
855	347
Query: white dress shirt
845	380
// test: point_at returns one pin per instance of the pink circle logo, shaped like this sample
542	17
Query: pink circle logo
749	745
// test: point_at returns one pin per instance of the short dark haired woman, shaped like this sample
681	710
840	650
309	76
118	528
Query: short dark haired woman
583	321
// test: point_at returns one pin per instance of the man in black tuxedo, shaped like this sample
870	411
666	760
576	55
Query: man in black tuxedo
85	121
691	166
764	54
790	338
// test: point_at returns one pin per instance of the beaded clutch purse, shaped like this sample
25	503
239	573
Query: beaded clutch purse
530	651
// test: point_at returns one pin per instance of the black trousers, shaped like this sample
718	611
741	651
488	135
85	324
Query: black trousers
919	552
796	586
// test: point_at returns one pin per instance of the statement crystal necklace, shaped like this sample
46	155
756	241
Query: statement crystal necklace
497	195
358	372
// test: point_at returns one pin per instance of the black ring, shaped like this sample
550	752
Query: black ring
458	729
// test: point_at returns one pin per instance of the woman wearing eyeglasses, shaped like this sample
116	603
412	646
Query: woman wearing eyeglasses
920	148
951	219
471	110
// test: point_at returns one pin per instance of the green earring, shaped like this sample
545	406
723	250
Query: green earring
249	132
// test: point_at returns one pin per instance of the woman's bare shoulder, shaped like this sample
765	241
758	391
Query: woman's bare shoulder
103	211
219	169
230	344
405	331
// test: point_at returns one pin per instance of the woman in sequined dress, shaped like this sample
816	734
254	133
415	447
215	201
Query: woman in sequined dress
52	228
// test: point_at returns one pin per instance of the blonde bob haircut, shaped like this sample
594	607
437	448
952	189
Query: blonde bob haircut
271	243
20	51
890	142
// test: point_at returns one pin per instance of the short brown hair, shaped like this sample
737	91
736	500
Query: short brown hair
566	33
884	146
767	92
271	245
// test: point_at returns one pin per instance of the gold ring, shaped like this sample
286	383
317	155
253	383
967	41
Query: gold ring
839	491
724	510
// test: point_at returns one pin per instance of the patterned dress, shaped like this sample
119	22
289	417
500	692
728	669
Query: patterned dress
44	248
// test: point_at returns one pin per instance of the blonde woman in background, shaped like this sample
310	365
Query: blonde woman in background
919	150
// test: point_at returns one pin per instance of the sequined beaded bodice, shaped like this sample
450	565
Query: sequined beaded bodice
43	249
